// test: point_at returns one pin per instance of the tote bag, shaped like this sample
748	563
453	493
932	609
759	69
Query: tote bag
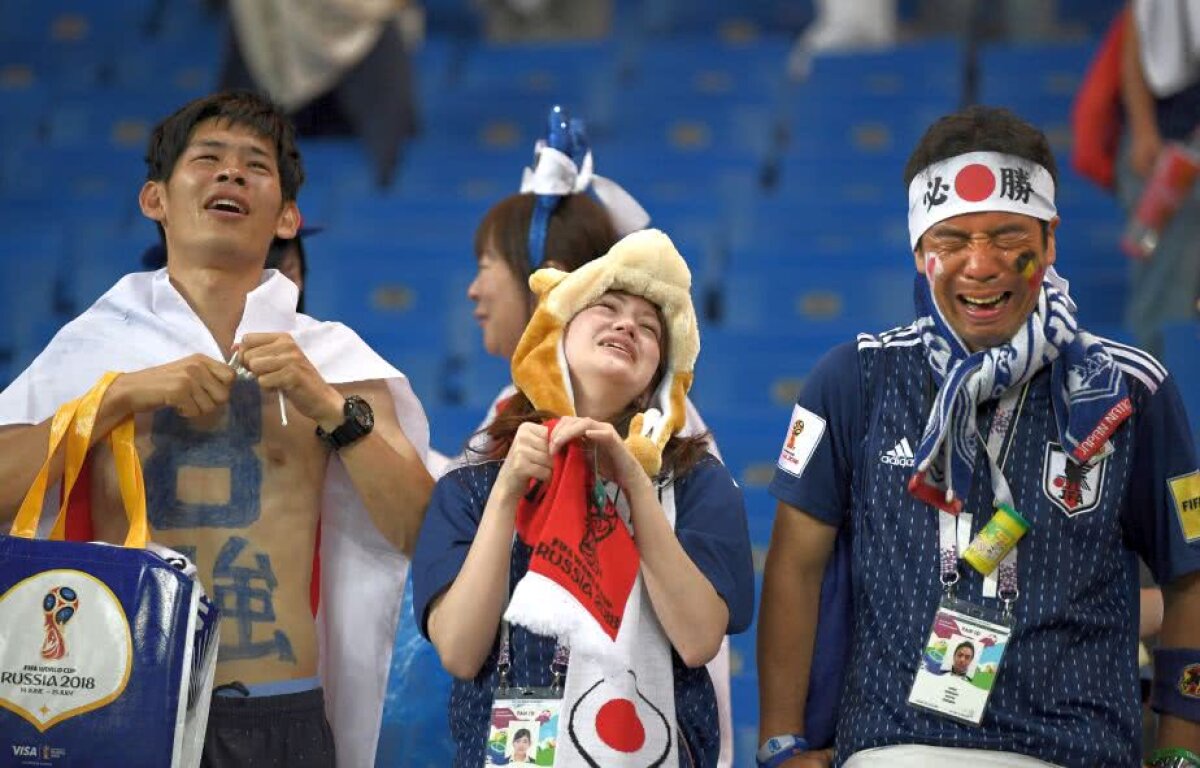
107	653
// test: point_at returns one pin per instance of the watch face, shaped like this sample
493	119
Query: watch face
360	412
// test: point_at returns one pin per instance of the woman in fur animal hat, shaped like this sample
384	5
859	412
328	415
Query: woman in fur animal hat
597	548
564	216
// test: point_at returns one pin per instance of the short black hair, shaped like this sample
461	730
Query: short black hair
966	644
522	732
242	108
980	128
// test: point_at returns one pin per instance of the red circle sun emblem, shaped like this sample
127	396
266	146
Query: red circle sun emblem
618	725
975	182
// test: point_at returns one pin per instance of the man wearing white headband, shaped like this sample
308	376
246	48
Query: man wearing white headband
990	474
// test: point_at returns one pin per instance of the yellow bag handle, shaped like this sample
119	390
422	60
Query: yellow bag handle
75	421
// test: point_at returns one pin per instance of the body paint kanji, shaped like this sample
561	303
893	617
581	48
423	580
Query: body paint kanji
244	596
178	445
935	193
1014	184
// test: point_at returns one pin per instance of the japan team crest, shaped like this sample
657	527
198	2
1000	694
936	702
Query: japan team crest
1074	488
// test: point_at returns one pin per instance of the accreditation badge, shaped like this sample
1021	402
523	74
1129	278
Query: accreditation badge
524	726
961	661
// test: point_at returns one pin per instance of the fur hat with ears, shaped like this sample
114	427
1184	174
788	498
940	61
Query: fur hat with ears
644	264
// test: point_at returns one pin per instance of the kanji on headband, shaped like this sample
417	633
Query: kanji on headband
975	182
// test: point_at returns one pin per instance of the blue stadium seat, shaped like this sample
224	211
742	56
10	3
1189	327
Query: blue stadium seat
340	165
97	261
416	219
473	121
95	174
833	297
1038	82
1092	15
1181	356
700	66
187	71
874	104
122	118
68	22
797	229
199	26
1087	241
408	305
693	126
453	171
425	369
452	18
744	695
1077	196
32	261
450	426
930	67
655	173
1029	73
570	69
481	376
856	179
742	21
24	102
74	68
872	134
749	432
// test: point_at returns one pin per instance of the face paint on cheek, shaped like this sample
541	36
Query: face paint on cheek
1028	267
933	266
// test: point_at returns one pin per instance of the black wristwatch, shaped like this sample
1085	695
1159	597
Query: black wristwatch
359	421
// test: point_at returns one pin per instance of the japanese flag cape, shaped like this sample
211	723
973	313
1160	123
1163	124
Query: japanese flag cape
142	322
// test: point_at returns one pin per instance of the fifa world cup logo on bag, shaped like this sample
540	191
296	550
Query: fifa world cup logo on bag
59	605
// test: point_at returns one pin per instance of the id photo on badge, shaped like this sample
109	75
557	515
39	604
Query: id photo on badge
522	742
523	733
959	666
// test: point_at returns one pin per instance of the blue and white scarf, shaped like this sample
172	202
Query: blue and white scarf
1087	389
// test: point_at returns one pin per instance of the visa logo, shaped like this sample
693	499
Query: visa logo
24	751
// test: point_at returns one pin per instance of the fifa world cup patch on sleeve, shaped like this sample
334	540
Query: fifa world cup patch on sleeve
1185	492
804	432
1189	681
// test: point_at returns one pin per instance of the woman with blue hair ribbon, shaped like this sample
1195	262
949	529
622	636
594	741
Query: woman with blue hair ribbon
564	215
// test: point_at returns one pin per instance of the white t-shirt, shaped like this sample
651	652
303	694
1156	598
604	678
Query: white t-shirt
1169	42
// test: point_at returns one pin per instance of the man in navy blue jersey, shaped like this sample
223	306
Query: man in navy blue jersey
1047	460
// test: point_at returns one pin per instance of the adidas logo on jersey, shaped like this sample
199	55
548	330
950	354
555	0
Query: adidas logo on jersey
900	455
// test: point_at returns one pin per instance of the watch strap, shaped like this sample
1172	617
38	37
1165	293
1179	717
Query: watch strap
779	749
350	430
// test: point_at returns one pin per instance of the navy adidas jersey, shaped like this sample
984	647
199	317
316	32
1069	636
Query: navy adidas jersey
1067	691
711	526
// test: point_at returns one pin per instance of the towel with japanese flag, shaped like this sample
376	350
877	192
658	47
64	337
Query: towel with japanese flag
583	586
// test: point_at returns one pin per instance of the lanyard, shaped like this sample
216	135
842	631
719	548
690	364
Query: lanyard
997	446
558	666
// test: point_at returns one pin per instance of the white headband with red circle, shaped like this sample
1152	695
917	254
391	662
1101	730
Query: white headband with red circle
976	182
